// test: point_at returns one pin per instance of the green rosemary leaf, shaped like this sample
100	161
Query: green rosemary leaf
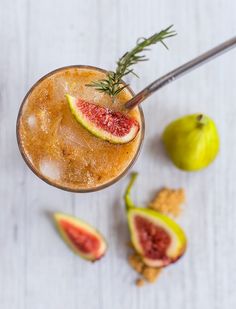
113	83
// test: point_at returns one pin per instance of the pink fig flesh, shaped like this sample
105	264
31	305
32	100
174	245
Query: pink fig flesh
81	237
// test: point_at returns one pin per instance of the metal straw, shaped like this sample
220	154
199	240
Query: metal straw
182	70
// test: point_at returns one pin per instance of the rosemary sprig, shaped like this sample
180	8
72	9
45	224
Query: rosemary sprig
113	84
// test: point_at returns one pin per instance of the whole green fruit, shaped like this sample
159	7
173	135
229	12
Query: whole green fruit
192	142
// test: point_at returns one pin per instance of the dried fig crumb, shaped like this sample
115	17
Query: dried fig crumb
139	282
168	201
136	262
151	274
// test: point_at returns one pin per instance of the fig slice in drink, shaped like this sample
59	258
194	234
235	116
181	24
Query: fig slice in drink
58	148
111	126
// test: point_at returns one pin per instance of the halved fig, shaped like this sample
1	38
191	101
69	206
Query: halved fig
158	239
114	127
81	237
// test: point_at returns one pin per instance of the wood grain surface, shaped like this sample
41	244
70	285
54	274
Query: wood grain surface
36	269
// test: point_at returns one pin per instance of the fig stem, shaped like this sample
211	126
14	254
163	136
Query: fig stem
201	119
128	200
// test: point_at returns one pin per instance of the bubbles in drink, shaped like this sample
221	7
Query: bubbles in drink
44	118
89	179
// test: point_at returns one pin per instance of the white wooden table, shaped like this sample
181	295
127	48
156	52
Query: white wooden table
36	269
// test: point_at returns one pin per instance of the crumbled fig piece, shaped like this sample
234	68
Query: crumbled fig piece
169	201
140	282
151	274
136	263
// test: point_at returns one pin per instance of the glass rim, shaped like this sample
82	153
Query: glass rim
50	182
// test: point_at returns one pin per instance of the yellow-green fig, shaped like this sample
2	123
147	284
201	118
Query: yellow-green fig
192	142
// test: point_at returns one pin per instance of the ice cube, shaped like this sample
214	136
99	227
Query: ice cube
50	169
61	87
31	121
91	95
98	96
69	136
